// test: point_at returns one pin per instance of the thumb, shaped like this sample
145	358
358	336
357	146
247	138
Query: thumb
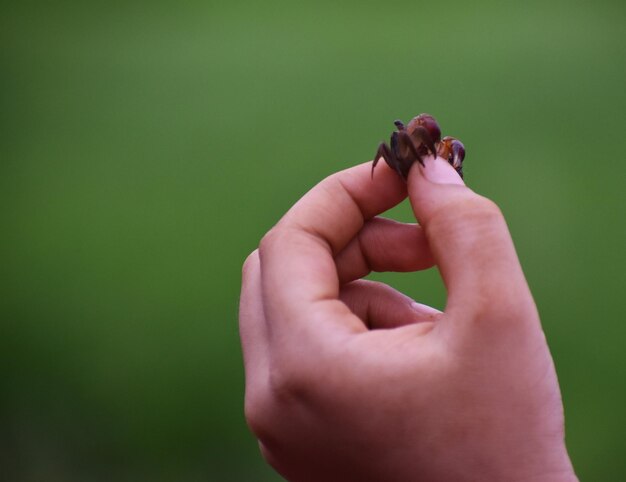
470	243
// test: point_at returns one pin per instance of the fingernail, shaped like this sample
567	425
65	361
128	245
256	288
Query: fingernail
425	311
439	171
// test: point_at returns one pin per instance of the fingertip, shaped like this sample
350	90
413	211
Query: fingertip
433	186
435	170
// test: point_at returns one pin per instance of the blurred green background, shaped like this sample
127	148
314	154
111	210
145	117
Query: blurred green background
145	147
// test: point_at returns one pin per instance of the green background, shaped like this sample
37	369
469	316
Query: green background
145	147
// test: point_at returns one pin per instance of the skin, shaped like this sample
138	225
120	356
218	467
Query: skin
350	380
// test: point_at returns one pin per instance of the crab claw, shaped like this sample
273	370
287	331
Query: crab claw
457	154
453	151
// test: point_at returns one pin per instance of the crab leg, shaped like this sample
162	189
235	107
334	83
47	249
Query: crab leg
387	154
399	124
408	141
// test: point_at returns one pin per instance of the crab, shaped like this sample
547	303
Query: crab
418	139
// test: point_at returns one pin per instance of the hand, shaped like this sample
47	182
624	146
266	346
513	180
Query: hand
350	380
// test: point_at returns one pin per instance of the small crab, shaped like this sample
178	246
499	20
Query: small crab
419	138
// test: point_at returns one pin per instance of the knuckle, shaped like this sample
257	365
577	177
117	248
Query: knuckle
284	389
257	414
269	240
480	208
472	214
250	264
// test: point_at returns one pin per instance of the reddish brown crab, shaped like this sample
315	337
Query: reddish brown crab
419	138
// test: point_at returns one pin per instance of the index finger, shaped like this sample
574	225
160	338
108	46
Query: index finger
298	270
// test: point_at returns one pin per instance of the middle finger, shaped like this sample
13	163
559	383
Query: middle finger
384	245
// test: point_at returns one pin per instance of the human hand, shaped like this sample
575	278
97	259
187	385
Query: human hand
349	380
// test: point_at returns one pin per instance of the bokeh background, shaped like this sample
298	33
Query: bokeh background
145	147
